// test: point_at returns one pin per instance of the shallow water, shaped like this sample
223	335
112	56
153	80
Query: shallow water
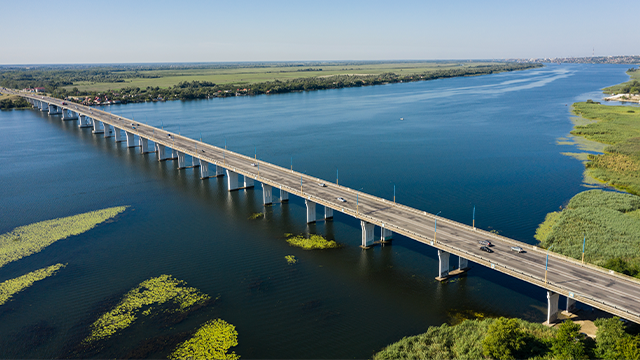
487	141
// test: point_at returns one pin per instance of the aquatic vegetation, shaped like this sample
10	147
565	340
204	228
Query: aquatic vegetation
30	239
313	242
211	341
155	291
291	259
610	223
14	286
256	215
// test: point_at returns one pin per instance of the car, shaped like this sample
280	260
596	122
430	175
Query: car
485	242
254	164
201	150
486	249
517	249
342	199
64	103
322	185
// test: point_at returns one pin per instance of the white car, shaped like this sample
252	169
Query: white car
517	249
322	185
254	164
342	199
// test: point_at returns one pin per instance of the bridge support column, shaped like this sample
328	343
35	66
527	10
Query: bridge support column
118	134
267	197
248	182
311	211
463	263
552	307
144	145
367	234
130	139
204	169
195	162
385	234
44	106
161	152
284	196
107	130
232	180
443	265
68	115
54	110
219	171
84	121
97	127
174	154
571	305
328	213
181	162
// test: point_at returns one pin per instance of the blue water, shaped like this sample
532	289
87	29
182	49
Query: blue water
487	141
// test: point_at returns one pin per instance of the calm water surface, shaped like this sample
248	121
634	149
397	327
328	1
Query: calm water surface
487	141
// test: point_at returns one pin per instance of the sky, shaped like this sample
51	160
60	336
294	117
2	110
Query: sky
79	32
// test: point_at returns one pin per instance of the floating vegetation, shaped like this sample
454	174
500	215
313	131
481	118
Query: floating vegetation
14	286
291	259
313	242
211	341
30	239
155	291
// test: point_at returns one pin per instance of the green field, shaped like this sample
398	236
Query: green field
249	75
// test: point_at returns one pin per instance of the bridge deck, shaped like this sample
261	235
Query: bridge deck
600	288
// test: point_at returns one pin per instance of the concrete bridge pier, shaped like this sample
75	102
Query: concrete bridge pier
97	127
54	110
107	130
463	264
161	151
552	307
204	169
284	196
328	213
248	182
219	171
232	180
118	134
68	115
443	265
267	194
144	146
44	106
195	162
181	162
84	122
385	234
367	234
130	139
174	154
571	306
311	211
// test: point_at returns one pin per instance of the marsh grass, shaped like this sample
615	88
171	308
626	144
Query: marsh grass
14	286
30	239
146	299
211	341
609	220
313	242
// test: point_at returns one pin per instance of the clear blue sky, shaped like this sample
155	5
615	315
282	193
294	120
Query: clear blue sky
49	32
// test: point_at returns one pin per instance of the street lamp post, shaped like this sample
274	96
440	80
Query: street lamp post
474	217
337	176
435	227
301	184
292	164
394	193
584	240
255	153
546	265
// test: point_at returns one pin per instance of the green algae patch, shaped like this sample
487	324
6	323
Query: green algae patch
145	299
14	286
30	239
291	260
211	341
256	216
313	242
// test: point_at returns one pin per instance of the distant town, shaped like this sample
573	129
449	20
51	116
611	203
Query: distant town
619	59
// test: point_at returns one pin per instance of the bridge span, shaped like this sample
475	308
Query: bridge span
604	289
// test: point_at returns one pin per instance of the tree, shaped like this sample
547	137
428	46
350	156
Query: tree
567	343
504	339
607	336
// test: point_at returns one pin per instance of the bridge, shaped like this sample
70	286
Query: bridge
600	288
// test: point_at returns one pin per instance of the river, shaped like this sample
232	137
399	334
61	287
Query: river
486	141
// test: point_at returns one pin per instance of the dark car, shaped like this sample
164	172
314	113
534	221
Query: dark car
486	249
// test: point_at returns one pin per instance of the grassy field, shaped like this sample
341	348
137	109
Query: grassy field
249	75
618	127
